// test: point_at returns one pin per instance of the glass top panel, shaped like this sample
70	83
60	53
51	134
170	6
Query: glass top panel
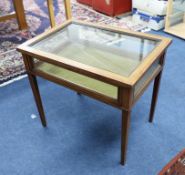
110	51
178	5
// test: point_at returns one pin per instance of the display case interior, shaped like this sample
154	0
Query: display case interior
175	20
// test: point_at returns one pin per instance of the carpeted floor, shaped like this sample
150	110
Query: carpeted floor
83	135
11	63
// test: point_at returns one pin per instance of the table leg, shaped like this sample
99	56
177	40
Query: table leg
155	96
36	93
124	134
67	5
51	13
19	9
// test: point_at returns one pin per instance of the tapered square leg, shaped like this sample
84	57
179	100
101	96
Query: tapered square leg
36	93
51	13
155	96
20	14
124	134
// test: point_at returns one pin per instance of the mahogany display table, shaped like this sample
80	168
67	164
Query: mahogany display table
112	65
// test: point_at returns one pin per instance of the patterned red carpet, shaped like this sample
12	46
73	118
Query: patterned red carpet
11	63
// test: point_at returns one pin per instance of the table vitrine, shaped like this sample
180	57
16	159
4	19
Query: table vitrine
175	19
109	64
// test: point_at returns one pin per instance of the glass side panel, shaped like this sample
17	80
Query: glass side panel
179	5
141	83
78	79
177	15
114	52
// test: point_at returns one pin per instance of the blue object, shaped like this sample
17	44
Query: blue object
146	17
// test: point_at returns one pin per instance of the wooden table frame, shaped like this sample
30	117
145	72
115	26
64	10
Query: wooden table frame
18	14
125	98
